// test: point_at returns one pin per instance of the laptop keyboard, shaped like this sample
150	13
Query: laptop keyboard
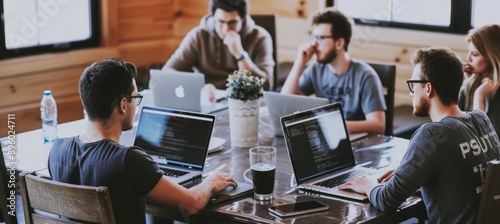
173	173
338	180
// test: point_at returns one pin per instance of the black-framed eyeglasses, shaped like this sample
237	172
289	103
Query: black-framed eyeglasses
411	82
138	99
320	37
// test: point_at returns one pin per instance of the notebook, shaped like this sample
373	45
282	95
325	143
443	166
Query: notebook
169	137
319	149
280	105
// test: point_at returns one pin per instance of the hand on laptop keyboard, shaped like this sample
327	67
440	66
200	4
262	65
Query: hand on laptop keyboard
338	180
362	185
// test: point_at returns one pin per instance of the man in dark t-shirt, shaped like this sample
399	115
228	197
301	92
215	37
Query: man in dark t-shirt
95	158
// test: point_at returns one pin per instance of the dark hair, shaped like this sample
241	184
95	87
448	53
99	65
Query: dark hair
341	24
103	84
442	68
229	6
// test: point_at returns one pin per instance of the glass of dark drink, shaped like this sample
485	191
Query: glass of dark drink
263	165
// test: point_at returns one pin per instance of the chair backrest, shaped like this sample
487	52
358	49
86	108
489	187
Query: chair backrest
268	22
48	201
387	75
489	207
9	214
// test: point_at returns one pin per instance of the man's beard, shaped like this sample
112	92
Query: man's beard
330	56
421	109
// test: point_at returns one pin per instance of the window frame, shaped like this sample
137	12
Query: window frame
460	21
93	41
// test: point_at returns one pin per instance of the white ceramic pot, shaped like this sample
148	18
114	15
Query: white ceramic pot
243	122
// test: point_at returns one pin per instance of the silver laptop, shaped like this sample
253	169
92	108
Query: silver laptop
320	151
280	105
175	89
183	91
169	136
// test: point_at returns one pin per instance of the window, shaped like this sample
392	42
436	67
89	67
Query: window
485	12
451	16
418	12
41	26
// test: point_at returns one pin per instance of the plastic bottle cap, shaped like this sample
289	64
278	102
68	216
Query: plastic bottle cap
47	92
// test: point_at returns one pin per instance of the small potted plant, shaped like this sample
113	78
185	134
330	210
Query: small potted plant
243	86
244	92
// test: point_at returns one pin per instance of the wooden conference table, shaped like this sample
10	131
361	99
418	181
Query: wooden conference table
372	151
375	151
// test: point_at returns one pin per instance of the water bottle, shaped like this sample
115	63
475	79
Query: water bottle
48	109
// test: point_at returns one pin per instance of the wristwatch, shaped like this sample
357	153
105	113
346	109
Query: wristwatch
244	56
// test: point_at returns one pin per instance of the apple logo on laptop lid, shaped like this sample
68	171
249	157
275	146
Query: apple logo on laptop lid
179	91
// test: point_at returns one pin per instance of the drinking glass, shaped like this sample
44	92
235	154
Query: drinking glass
263	166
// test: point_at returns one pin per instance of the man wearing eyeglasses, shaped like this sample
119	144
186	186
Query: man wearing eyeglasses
95	158
226	40
446	158
337	76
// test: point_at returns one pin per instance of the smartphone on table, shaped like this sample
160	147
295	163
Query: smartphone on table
298	208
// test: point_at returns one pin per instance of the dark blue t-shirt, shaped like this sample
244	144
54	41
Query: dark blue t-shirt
128	172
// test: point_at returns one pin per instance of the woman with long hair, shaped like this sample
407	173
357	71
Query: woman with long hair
482	73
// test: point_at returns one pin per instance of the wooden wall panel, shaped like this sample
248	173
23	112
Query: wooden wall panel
28	115
182	25
147	52
191	8
144	29
131	4
29	88
55	61
109	23
142	20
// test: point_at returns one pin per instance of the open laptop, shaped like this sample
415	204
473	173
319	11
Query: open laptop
169	136
183	91
319	149
279	105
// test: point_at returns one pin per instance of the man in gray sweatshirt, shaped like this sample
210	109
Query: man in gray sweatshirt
226	40
447	157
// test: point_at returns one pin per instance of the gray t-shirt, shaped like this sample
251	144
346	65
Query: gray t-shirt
359	89
447	160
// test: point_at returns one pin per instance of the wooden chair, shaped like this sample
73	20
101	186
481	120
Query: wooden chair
387	75
489	207
268	22
5	193
48	201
